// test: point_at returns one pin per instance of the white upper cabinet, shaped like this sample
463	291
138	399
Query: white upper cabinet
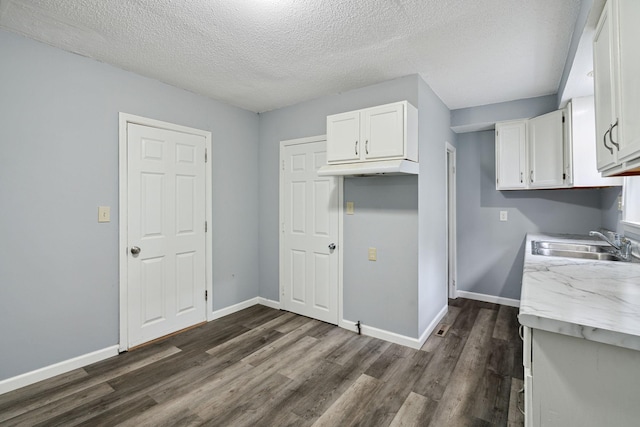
546	150
617	88
386	132
511	166
530	153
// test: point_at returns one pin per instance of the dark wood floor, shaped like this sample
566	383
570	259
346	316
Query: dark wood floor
264	367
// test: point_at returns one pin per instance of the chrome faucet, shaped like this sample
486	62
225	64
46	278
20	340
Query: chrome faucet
621	245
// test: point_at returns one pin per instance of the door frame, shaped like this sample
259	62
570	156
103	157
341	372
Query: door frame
125	119
281	246
451	206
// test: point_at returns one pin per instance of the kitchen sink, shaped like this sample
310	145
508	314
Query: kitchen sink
575	250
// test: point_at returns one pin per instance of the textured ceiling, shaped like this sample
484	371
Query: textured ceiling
266	54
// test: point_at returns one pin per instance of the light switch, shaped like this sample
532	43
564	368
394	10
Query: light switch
349	208
373	254
504	216
104	214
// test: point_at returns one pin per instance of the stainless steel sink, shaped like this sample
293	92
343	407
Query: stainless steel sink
575	250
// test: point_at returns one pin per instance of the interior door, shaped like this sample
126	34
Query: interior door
309	233
166	232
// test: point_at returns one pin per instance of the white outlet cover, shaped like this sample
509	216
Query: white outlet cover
504	215
104	213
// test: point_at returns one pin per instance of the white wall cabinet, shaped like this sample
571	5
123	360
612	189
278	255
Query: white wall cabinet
580	146
576	382
617	88
384	132
511	159
530	153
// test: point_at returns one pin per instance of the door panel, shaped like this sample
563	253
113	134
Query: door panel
166	214
310	209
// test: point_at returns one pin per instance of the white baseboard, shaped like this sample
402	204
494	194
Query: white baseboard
269	303
433	325
51	371
489	298
233	308
382	334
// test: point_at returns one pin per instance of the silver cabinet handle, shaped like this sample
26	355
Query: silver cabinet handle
521	178
366	146
604	141
356	148
611	139
332	246
521	332
521	391
135	250
531	176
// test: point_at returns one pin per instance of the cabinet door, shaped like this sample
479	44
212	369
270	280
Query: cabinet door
510	155
603	89
384	132
626	48
343	137
546	150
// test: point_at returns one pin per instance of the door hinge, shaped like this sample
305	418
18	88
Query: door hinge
206	226
206	295
205	155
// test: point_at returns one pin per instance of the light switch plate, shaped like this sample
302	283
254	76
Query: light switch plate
373	254
504	216
104	214
350	208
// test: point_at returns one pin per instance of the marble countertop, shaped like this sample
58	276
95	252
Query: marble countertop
594	300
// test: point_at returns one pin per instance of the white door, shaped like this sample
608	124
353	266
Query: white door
343	134
310	221
383	132
546	150
166	232
510	155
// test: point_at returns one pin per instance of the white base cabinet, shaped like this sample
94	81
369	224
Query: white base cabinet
577	382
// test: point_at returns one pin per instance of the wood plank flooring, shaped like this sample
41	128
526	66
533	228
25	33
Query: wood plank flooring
264	367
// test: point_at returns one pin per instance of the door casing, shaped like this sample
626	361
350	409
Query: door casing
452	273
124	120
281	250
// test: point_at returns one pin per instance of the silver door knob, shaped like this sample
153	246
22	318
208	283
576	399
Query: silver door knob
135	250
332	246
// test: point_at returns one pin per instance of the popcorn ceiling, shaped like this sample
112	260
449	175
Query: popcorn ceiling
265	54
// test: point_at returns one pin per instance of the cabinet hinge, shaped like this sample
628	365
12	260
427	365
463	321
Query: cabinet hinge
206	295
205	155
206	226
563	118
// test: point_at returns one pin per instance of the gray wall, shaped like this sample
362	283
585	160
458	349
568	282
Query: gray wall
382	294
308	119
59	161
611	216
490	252
434	132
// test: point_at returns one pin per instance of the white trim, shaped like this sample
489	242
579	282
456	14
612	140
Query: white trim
269	303
433	325
123	120
51	371
415	343
283	144
452	252
489	298
234	308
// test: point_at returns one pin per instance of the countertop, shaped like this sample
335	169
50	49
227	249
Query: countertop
594	300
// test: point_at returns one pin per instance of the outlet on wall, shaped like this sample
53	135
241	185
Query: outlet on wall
504	215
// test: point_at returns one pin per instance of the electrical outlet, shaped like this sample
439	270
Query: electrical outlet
373	254
350	208
619	203
504	216
104	214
